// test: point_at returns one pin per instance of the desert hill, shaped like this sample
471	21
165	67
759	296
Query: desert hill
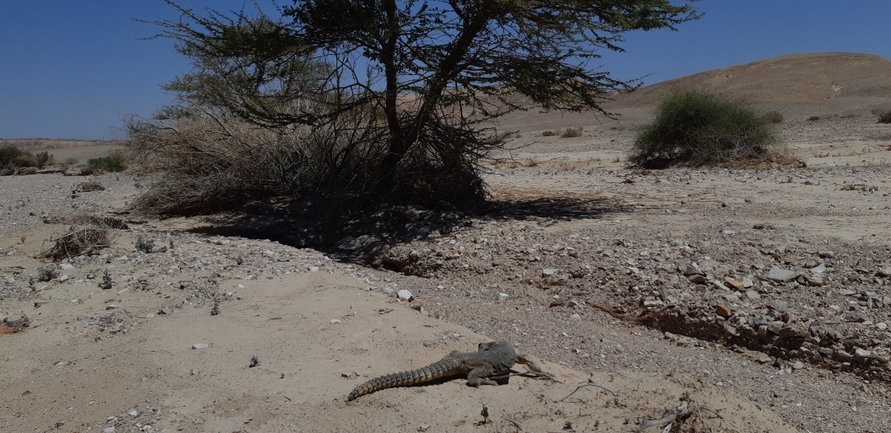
842	80
797	85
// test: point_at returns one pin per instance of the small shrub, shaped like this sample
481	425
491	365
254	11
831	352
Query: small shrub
115	161
548	133
773	116
143	245
106	282
571	132
9	155
43	159
883	116
90	186
695	128
813	118
79	242
47	273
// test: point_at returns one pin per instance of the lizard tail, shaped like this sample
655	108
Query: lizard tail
437	370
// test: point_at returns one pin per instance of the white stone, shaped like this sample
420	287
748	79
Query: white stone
66	266
336	321
199	346
404	295
502	296
133	413
108	429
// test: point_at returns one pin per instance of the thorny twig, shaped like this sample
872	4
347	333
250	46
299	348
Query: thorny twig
588	383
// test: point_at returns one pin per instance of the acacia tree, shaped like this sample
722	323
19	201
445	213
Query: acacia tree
454	56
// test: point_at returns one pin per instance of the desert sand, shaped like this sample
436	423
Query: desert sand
169	346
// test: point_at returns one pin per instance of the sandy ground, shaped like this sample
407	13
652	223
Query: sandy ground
150	355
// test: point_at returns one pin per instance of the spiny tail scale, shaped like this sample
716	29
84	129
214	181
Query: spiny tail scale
437	370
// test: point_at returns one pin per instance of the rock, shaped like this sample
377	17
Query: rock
548	272
738	285
778	305
815	280
753	295
781	275
405	295
133	413
692	269
819	269
862	353
575	316
199	346
66	266
336	321
698	279
856	317
798	365
416	305
503	296
728	232
826	254
108	429
881	326
723	311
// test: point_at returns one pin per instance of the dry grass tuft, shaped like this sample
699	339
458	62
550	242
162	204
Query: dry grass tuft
571	133
79	242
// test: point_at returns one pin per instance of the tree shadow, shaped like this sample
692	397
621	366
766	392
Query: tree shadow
362	240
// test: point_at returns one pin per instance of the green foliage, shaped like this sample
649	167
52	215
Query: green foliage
47	273
330	64
696	128
43	158
115	161
146	246
9	155
106	282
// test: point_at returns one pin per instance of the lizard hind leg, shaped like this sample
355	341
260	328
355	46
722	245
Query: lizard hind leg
481	375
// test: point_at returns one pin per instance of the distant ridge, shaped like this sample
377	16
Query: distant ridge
791	79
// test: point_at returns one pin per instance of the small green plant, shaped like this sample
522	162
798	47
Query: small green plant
773	116
548	133
115	161
696	128
43	159
813	118
47	273
106	282
571	132
143	245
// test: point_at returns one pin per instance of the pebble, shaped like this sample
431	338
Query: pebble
66	266
199	346
502	296
133	413
405	295
781	275
108	429
336	321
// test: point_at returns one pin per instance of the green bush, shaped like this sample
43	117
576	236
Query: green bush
115	161
9	154
696	128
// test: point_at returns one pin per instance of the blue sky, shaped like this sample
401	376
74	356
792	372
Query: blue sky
78	69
